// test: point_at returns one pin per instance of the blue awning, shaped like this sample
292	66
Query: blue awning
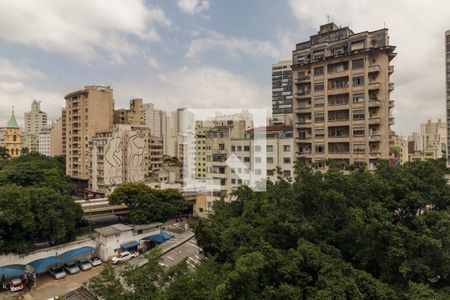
42	265
159	238
12	271
76	254
130	245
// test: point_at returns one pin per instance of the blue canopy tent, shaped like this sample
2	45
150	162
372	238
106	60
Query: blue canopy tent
77	254
159	238
12	271
130	245
42	265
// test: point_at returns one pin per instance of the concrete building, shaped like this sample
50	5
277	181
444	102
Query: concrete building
35	119
282	93
415	142
133	116
117	156
44	140
398	150
11	137
433	136
87	111
64	133
154	153
158	122
56	142
113	239
447	87
342	107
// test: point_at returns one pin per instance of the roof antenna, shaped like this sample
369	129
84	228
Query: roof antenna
328	18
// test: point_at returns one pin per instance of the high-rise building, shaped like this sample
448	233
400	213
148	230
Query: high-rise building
34	121
433	136
56	142
117	156
64	132
44	140
282	92
87	111
133	116
342	107
447	86
158	122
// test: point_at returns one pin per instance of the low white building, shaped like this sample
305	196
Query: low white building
116	238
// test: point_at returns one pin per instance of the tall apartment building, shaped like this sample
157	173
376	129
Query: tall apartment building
56	142
34	121
433	138
134	115
87	111
44	140
158	122
117	156
282	111
63	132
342	103
447	86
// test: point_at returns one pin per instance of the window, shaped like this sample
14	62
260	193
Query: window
358	63
287	173
269	148
239	148
246	159
270	172
341	99
319	102
319	118
247	148
269	160
257	159
358	114
358	80
359	148
358	98
233	148
287	148
257	148
319	86
358	131
221	146
318	71
319	133
319	148
286	160
339	131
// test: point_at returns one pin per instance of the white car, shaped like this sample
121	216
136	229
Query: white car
85	265
95	261
123	256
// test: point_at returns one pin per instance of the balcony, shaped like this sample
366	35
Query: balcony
374	86
374	138
391	121
391	69
391	87
374	68
303	94
374	103
305	124
304	139
302	154
391	103
303	79
374	120
305	109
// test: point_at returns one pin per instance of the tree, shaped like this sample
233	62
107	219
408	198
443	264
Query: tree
4	154
147	204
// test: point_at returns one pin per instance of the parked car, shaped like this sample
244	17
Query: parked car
123	256
58	273
14	285
71	268
85	265
95	261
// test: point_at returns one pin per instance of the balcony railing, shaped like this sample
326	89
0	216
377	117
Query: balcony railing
374	86
374	103
391	86
391	121
303	109
303	79
374	138
303	94
391	69
391	103
374	120
374	68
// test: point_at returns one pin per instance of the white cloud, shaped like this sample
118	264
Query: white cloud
416	28
204	87
193	6
230	45
9	70
81	28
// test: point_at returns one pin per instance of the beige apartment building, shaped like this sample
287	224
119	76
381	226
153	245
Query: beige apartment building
56	142
87	111
134	115
341	92
117	156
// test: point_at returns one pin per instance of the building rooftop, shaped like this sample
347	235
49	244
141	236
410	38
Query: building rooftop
12	123
113	229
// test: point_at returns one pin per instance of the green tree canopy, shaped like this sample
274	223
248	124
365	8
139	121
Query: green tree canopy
147	204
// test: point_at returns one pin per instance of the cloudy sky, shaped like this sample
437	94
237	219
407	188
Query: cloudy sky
203	53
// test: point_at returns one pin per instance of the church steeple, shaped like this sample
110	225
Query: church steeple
12	123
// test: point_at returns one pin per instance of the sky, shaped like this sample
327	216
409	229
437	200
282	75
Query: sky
203	53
